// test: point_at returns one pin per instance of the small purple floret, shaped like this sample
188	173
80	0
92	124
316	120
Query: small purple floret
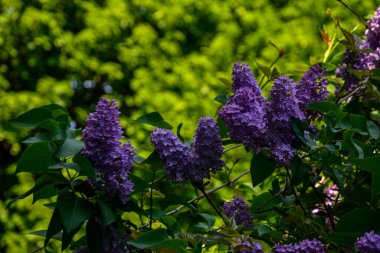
306	246
238	210
368	243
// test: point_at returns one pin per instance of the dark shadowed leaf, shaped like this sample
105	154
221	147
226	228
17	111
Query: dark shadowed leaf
36	158
94	234
221	98
73	211
69	148
55	226
261	168
325	106
154	119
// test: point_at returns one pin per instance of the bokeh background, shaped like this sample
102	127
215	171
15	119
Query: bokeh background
168	56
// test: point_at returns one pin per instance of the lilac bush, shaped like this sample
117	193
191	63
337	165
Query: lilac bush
306	246
368	243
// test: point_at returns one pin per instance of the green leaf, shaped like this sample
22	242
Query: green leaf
158	239
108	215
324	106
139	184
43	233
210	220
375	186
36	187
370	164
221	98
46	192
150	239
359	220
36	158
73	211
85	166
266	70
37	115
261	168
94	234
69	148
55	226
154	119
179	127
373	130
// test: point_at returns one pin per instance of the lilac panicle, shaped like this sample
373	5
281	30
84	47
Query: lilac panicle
195	163
306	246
102	134
112	161
373	32
368	59
238	210
242	77
244	113
310	89
206	150
247	246
175	154
368	243
282	108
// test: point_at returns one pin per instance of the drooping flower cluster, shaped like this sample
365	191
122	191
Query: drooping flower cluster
306	246
245	245
368	243
112	161
367	59
193	163
260	124
238	211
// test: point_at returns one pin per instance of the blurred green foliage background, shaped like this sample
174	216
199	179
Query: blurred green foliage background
166	56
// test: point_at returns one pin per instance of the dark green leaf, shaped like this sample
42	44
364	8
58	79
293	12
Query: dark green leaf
39	137
55	226
375	186
107	213
37	115
261	168
221	98
46	192
94	234
139	184
73	211
373	130
69	148
370	164
359	220
154	119
150	239
210	220
325	106
179	132
36	158
43	233
85	166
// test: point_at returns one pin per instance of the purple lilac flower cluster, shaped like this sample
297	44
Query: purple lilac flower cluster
193	163
238	211
260	124
112	161
367	59
306	246
368	243
245	245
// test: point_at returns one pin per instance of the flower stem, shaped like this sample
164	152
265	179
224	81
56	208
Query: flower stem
151	200
354	12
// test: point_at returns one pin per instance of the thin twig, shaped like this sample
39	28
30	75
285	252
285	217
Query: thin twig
209	192
233	147
151	201
351	94
294	191
211	203
355	13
